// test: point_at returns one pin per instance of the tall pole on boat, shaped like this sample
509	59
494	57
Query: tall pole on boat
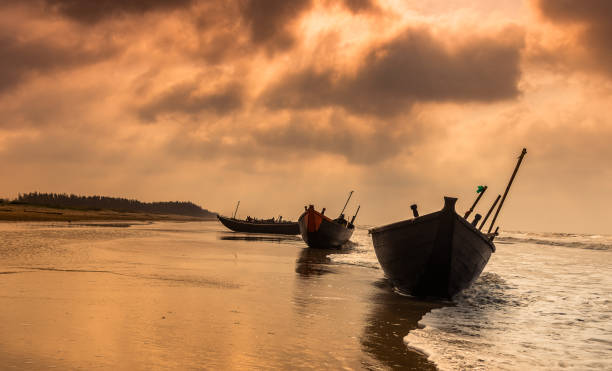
346	203
518	164
356	212
234	217
489	212
482	191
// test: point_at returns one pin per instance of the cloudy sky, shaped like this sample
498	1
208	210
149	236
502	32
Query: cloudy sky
284	103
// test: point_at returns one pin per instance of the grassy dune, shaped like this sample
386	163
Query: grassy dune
10	212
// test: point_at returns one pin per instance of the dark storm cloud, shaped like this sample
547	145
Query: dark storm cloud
91	11
594	15
359	6
591	11
413	67
186	99
268	21
20	59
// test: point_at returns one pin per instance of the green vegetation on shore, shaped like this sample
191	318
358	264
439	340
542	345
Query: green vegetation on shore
62	207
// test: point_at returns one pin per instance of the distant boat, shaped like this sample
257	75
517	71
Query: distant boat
260	226
251	225
438	254
319	231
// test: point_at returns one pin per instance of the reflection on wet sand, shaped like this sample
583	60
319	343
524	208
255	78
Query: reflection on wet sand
258	237
107	225
314	262
175	296
391	318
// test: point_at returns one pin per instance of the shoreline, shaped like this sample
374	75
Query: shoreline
35	213
182	296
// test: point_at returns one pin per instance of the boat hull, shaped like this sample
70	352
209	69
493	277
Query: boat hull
318	231
236	225
435	255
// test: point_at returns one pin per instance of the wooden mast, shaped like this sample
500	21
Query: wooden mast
356	212
518	164
346	203
484	189
489	212
234	217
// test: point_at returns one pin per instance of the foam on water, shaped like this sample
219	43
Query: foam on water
543	302
361	251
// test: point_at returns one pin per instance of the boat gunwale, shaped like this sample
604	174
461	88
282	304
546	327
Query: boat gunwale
403	223
429	217
478	232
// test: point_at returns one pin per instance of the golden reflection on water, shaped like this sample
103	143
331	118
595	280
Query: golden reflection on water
182	298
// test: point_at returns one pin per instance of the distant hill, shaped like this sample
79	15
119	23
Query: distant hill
112	203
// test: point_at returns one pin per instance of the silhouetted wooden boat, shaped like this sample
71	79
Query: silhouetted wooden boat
437	254
321	232
260	226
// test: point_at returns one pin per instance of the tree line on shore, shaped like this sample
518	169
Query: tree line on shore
111	203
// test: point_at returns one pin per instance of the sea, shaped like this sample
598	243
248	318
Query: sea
543	302
170	295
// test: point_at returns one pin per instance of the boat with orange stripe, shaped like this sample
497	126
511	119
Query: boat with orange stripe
319	231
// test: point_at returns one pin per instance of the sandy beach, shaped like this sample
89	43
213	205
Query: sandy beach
192	296
20	212
459	150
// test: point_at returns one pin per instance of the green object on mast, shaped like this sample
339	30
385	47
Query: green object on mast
481	190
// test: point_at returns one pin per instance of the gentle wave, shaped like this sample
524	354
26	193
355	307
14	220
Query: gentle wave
571	240
534	307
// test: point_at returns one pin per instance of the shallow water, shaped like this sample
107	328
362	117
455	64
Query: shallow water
192	295
544	301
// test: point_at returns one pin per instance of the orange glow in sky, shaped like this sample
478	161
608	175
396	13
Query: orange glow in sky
282	104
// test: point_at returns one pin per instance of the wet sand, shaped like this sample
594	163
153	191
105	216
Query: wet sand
20	212
192	296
